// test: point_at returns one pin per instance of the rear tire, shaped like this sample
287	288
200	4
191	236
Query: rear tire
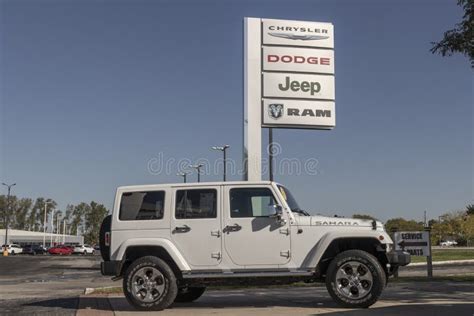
150	284
189	294
355	279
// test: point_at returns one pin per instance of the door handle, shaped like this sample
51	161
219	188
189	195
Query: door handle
182	229
232	228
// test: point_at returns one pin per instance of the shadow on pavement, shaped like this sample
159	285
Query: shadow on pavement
60	306
407	300
412	310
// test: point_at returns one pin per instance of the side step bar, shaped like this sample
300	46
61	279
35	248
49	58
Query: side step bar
246	274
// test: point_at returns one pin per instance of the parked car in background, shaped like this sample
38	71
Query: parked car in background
60	250
13	249
84	249
448	243
70	247
33	250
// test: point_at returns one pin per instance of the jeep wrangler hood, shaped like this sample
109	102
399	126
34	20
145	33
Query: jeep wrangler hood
336	221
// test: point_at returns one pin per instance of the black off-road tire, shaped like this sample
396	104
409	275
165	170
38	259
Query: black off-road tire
170	290
378	275
189	294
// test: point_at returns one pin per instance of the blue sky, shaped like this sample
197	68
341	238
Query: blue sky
91	91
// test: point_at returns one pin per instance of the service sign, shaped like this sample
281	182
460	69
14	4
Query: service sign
297	59
298	114
297	33
298	86
416	243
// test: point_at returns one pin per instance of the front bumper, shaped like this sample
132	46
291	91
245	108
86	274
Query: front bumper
110	267
398	258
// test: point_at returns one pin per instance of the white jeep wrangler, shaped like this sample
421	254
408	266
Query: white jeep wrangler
168	242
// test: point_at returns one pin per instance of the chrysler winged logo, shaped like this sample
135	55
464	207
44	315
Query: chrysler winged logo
299	37
275	110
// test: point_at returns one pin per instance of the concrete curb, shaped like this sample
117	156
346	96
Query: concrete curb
441	263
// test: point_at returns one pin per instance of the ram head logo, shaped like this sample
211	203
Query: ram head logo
275	110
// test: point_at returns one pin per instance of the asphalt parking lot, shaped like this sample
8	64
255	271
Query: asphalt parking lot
45	285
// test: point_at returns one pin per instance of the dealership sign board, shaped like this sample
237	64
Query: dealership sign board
289	80
297	72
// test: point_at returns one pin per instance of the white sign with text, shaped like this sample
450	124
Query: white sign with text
298	113
416	243
298	86
297	33
297	59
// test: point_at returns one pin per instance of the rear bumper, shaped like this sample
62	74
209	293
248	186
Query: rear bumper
110	267
398	258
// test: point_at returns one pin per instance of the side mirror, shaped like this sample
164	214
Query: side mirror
277	211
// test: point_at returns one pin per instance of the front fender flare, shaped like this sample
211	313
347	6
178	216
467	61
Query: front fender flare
315	254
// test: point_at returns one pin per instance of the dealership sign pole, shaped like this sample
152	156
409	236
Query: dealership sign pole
288	81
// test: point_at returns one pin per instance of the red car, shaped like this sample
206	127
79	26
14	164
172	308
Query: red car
60	250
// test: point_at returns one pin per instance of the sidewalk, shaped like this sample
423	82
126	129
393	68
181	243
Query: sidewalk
440	298
442	263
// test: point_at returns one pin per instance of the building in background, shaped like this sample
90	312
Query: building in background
24	237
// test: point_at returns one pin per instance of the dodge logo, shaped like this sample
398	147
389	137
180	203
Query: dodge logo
275	110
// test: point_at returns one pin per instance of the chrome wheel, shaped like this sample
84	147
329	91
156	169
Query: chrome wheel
354	280
148	284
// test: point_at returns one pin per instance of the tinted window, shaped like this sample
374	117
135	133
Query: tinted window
142	205
196	204
251	202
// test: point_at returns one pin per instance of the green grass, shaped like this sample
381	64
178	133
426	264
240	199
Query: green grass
447	254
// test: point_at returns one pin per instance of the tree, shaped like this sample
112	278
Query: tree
21	209
467	227
470	209
3	210
78	218
35	219
363	216
452	226
461	38
93	220
401	224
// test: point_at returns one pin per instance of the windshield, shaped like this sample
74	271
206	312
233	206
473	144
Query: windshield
290	200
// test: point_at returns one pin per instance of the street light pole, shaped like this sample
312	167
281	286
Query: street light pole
44	223
223	149
58	228
198	170
7	215
64	231
184	175
52	229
